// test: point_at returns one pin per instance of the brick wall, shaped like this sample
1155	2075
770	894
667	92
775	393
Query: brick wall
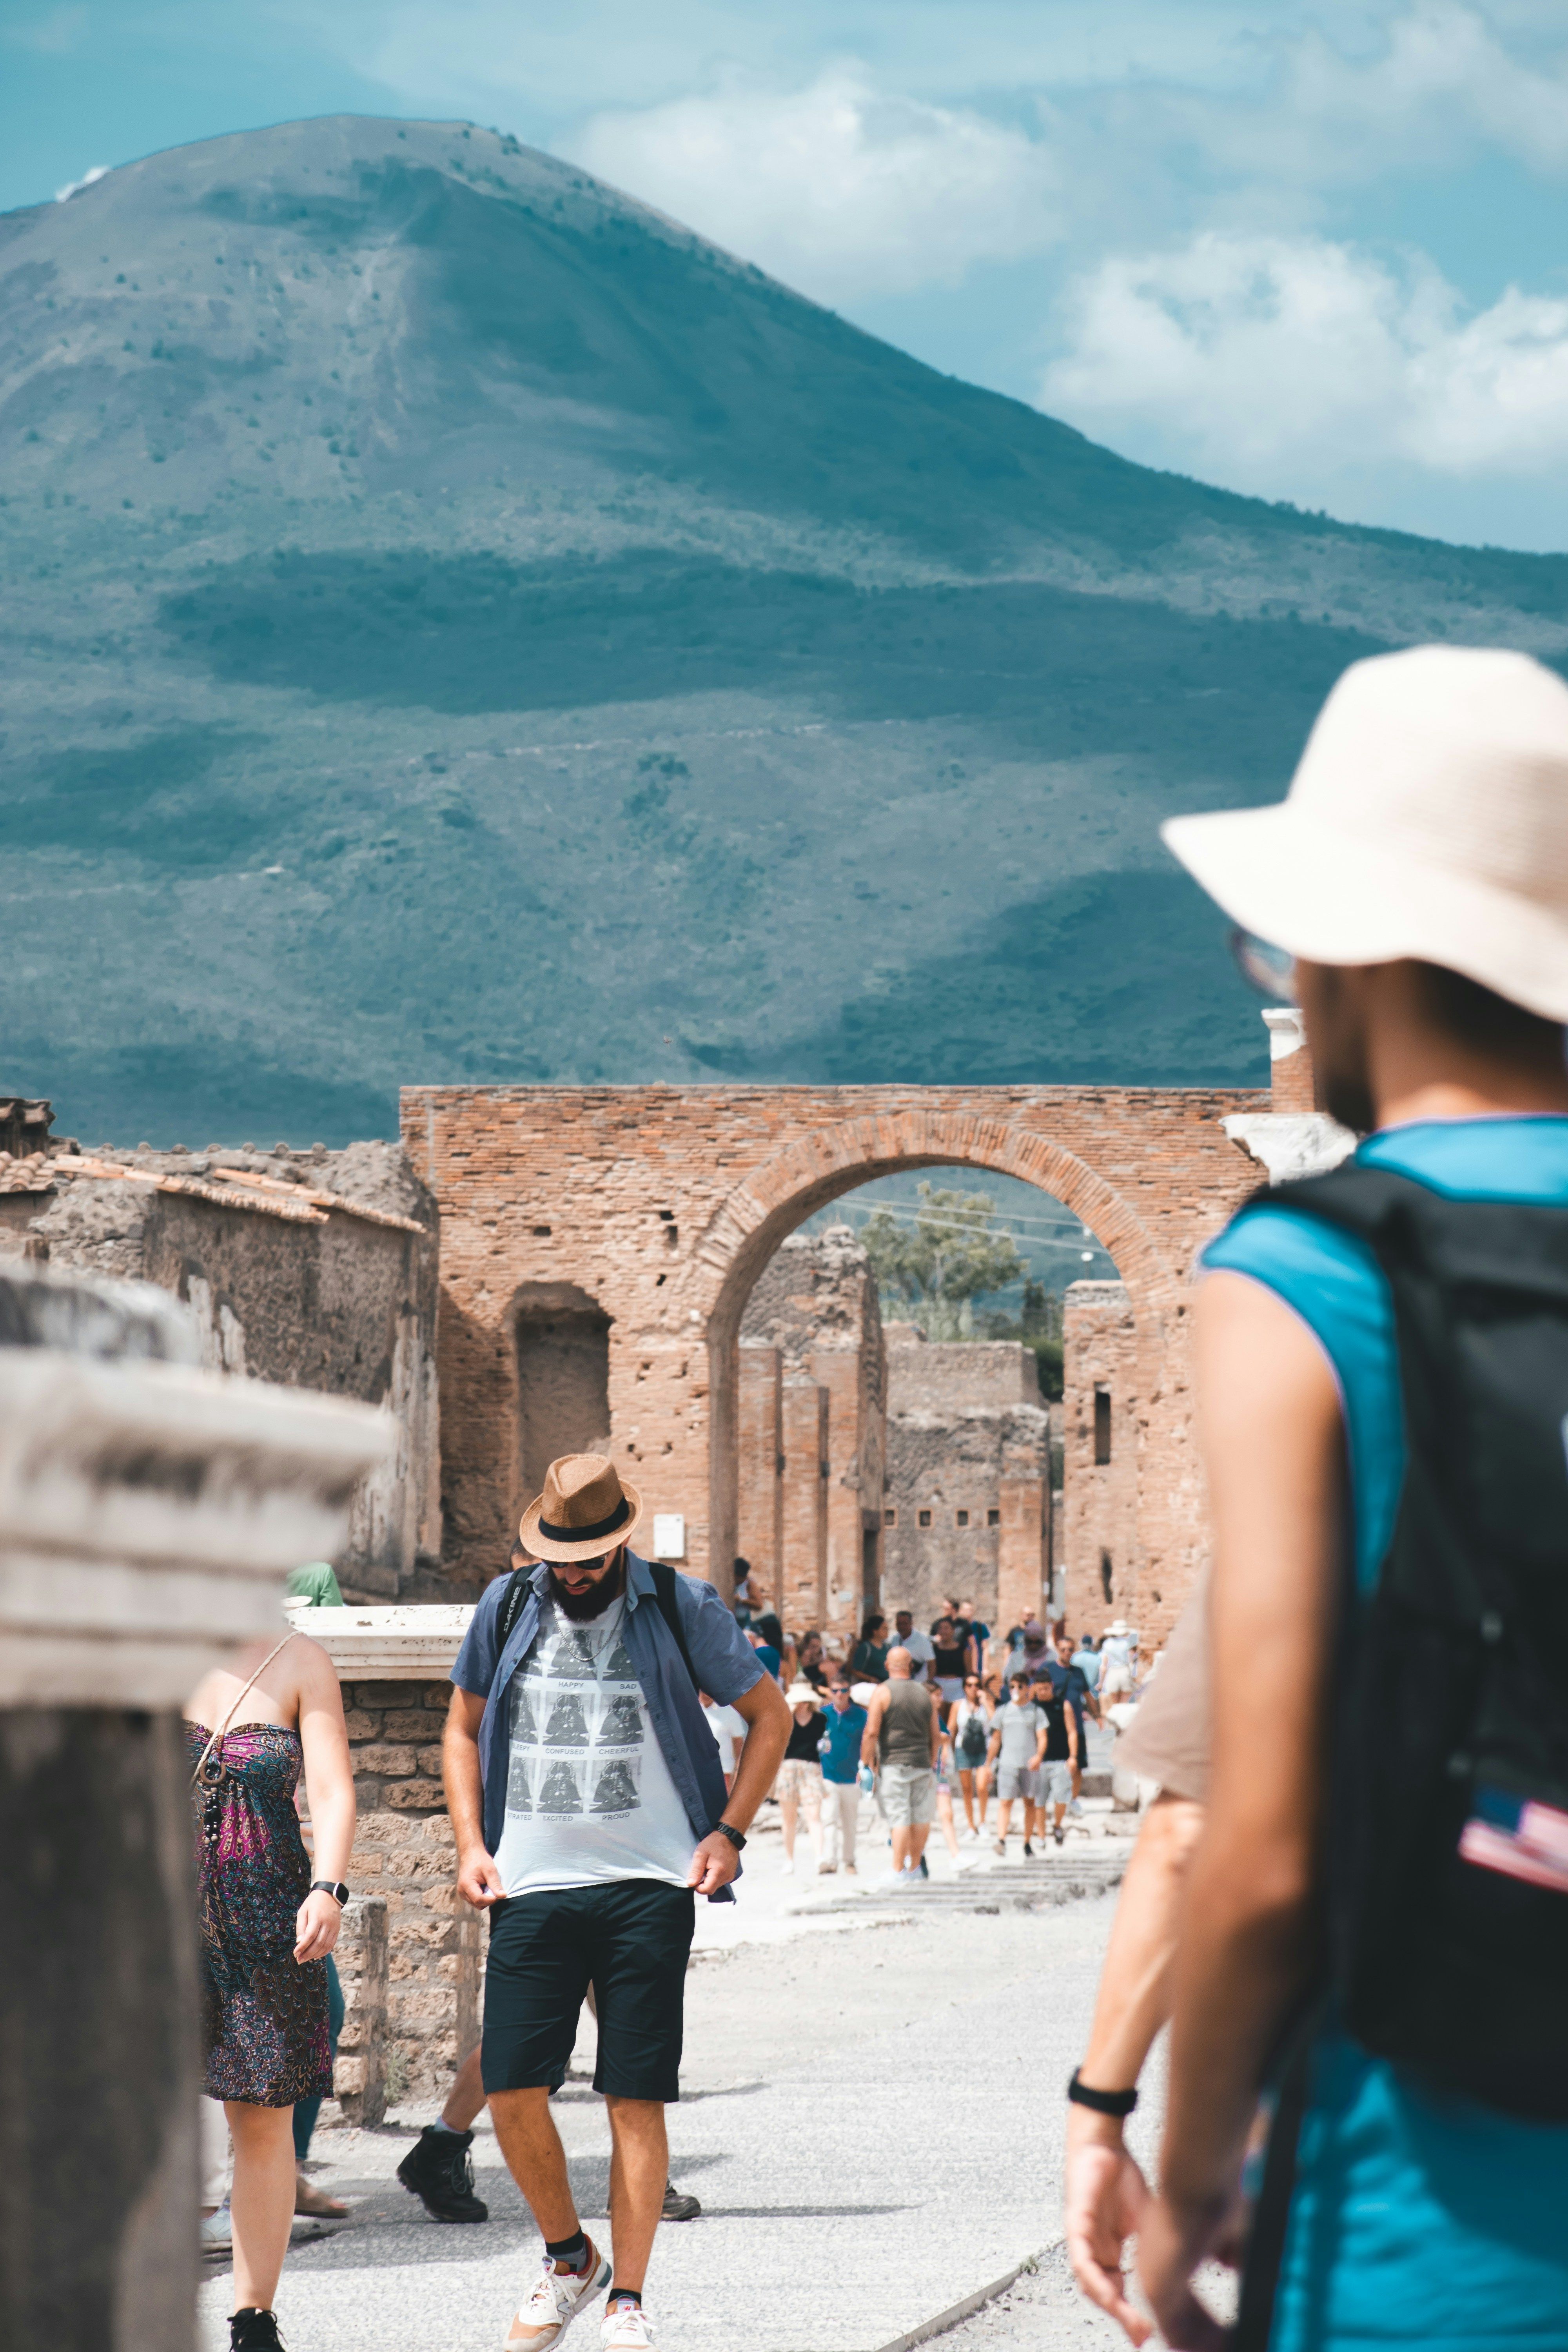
760	1528
1100	1514
968	1448
404	1851
804	1443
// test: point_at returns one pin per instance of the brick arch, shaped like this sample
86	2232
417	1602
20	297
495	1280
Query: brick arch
818	1168
662	1203
777	1196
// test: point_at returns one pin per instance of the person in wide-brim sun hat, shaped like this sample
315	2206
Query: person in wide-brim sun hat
1424	822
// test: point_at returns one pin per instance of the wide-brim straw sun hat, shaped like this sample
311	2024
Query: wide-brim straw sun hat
1428	818
801	1695
586	1508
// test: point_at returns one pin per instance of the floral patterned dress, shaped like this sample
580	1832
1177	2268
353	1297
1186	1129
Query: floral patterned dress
264	2017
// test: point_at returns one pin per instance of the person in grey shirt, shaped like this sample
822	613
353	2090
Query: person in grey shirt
1017	1750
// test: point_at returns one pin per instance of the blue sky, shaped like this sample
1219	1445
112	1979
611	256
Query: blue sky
1316	253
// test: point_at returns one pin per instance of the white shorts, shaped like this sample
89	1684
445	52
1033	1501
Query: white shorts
909	1795
1054	1778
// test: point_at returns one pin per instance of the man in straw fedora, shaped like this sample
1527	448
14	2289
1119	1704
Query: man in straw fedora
1375	1935
590	1810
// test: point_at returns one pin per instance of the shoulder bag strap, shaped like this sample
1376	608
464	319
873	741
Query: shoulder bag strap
223	1728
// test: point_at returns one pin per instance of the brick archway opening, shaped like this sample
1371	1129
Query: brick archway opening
778	1198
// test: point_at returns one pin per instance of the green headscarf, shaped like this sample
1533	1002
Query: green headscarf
315	1583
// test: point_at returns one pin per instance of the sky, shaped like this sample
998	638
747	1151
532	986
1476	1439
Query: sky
1315	253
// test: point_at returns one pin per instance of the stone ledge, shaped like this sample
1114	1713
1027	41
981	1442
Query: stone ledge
387	1645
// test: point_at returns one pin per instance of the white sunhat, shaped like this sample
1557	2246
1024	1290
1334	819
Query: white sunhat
1428	818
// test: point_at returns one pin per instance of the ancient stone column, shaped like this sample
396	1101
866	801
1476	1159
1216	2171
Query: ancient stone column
148	1511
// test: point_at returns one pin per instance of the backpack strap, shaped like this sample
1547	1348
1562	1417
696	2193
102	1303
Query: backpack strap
511	1606
668	1608
664	1597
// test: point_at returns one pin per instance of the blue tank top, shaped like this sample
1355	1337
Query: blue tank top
1417	2219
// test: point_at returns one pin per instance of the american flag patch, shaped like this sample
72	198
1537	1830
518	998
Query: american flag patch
1518	1837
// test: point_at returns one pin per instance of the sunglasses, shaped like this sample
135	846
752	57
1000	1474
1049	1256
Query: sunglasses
1269	970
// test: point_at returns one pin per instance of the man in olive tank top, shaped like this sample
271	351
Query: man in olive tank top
903	1735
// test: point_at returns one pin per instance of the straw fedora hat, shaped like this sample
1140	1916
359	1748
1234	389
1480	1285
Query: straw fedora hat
1428	818
586	1508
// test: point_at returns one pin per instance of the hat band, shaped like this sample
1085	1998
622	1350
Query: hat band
617	1519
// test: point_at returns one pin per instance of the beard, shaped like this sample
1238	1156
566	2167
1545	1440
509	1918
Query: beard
582	1608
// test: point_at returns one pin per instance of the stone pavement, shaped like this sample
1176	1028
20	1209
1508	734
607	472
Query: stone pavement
872	2119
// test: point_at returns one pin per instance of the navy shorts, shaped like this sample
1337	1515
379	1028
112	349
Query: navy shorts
628	1938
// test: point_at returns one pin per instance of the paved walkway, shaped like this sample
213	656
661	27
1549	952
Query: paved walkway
872	2119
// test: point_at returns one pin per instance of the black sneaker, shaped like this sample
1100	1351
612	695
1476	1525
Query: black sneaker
439	2171
1028	1851
255	2331
678	2208
1059	1834
924	1870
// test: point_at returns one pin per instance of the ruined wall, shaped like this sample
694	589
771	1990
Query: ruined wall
341	1304
404	1851
1106	1428
662	1206
968	1472
811	1475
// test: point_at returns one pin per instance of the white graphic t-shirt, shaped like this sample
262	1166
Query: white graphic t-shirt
589	1796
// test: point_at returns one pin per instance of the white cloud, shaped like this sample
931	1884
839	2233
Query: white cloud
73	187
1288	366
836	189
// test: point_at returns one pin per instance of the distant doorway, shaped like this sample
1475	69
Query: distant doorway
563	1383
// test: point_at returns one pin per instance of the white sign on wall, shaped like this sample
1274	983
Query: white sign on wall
669	1536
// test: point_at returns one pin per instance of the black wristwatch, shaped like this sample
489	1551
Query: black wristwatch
1104	2103
736	1839
332	1887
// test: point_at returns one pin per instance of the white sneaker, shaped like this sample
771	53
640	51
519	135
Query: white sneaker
626	2329
554	2303
217	2232
786	1867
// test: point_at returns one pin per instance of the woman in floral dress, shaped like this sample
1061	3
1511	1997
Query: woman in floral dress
267	1923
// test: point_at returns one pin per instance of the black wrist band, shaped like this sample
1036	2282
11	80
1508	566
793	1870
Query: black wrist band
332	1887
1104	2103
736	1839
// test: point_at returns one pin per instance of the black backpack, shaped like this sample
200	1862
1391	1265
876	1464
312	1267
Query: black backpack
663	1592
1446	1864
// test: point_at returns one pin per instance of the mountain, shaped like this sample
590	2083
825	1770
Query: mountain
463	627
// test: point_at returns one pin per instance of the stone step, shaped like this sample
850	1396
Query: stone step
1030	1886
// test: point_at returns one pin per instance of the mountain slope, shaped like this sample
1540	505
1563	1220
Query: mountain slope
463	626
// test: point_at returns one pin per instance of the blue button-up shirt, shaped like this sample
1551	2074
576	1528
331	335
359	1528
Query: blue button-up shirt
724	1660
839	1746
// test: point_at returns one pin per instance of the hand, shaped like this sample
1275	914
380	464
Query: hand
1170	2250
479	1881
316	1925
713	1865
1105	2201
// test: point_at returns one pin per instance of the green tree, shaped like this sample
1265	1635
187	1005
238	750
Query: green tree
930	1267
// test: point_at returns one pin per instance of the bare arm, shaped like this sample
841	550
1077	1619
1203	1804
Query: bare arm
767	1719
936	1731
1106	2194
329	1788
478	1880
1273	1449
872	1733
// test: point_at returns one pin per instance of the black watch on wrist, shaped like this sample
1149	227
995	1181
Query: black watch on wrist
736	1839
1104	2103
332	1887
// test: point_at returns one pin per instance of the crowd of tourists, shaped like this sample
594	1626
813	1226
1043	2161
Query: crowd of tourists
946	1732
1349	1898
